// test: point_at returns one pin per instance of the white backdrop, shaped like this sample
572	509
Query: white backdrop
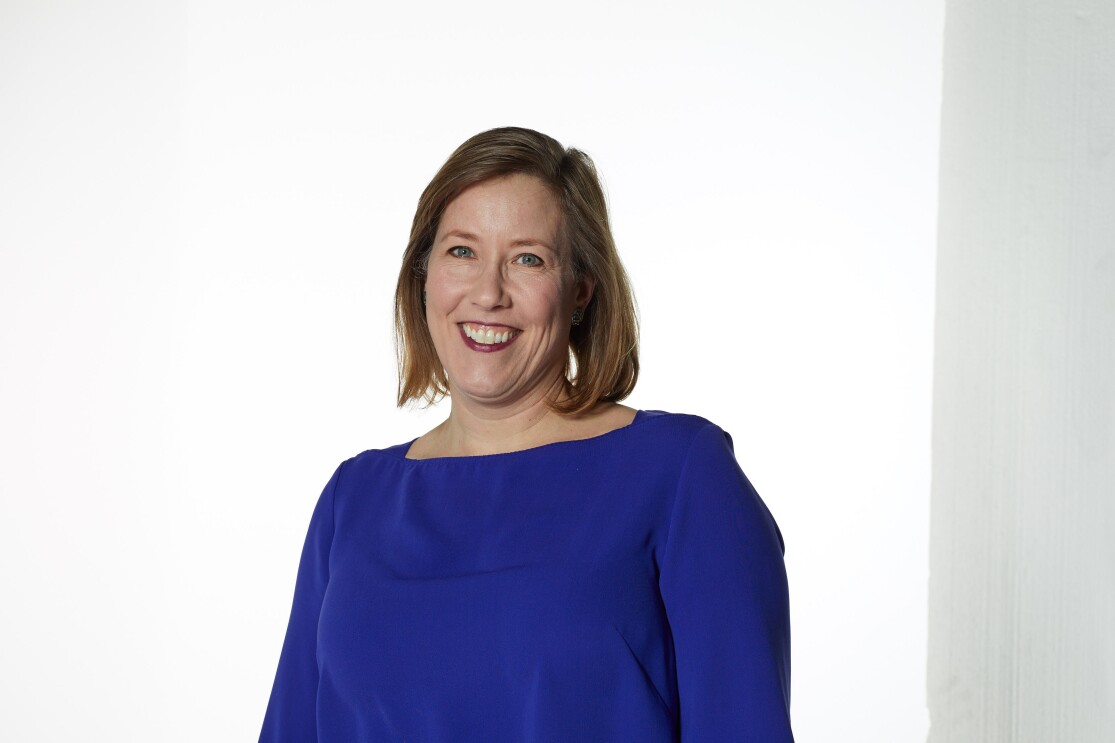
202	207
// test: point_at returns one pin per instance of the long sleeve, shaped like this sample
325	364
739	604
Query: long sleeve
723	583
291	712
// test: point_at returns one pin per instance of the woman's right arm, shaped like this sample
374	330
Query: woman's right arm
292	710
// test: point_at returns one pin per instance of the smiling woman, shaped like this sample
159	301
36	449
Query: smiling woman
546	564
500	294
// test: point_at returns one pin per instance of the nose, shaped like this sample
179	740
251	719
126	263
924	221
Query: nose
489	291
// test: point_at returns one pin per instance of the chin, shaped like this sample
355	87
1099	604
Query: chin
479	388
489	396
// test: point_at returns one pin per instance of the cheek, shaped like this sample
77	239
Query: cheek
546	298
442	292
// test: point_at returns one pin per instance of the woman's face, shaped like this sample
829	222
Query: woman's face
500	293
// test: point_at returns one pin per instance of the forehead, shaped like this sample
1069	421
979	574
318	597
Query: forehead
506	206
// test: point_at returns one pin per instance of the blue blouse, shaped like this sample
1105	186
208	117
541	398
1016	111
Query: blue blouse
627	587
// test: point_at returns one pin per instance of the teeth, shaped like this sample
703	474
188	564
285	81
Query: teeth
487	337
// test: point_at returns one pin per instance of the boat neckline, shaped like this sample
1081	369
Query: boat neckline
402	449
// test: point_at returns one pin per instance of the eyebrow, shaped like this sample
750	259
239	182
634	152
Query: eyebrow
461	234
524	242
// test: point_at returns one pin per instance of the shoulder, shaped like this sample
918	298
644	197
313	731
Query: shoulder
712	483
682	430
367	464
680	446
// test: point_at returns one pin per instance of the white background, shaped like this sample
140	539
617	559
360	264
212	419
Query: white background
202	208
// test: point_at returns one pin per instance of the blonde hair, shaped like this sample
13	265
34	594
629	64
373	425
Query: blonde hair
603	362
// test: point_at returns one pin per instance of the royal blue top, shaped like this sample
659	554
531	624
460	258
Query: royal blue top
627	587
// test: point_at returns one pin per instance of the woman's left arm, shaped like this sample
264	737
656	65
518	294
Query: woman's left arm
723	583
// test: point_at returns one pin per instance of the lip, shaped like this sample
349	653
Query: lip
487	347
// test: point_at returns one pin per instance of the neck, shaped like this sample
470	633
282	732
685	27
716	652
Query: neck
475	428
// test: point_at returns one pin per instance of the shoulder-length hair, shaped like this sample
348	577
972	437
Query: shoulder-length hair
603	361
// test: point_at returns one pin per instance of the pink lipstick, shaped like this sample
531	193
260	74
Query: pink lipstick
487	338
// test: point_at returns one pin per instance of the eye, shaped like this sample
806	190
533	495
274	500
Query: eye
528	259
460	251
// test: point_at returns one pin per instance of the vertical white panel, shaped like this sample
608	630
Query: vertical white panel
1023	495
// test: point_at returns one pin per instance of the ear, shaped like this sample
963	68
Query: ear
582	291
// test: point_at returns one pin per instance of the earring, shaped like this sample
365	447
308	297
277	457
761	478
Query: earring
423	296
578	316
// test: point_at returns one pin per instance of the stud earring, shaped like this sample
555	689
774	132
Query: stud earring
578	316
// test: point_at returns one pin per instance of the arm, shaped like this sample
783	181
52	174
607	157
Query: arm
292	710
723	583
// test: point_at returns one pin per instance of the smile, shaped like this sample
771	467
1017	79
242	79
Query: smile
488	337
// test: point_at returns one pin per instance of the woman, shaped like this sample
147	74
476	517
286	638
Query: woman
546	564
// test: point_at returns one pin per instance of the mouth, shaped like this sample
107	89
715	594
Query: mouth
487	338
